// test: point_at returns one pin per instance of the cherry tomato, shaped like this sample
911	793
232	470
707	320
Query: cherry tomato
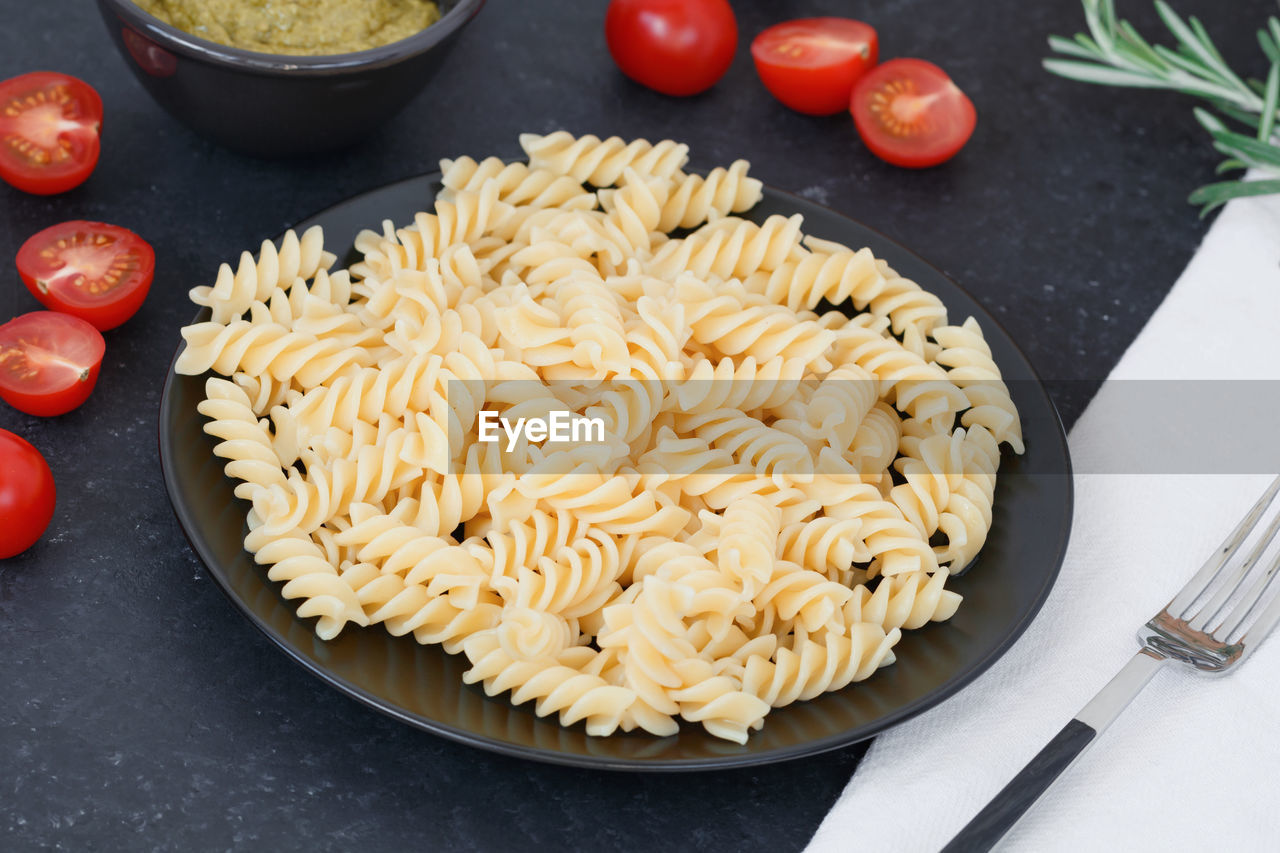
678	47
49	126
910	114
48	362
97	272
26	495
811	64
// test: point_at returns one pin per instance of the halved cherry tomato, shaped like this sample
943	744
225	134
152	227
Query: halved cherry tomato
811	64
678	47
910	114
27	495
98	272
48	362
49	126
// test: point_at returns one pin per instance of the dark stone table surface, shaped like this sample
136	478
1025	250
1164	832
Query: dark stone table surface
139	710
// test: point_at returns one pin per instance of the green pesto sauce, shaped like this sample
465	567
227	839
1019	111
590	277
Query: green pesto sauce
298	27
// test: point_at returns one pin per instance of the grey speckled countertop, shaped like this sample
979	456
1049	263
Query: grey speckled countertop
139	710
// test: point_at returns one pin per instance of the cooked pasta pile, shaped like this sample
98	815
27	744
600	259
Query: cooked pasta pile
782	490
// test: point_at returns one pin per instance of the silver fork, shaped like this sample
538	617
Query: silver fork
1242	605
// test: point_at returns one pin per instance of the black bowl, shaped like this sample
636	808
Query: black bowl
272	104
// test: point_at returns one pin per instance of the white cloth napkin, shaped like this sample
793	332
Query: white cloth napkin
1194	762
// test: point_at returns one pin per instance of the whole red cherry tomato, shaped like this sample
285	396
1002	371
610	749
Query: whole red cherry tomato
678	47
26	495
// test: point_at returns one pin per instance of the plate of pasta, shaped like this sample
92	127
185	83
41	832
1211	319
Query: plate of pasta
816	490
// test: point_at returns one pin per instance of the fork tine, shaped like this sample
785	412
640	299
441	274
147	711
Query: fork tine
1263	625
1213	566
1210	611
1242	611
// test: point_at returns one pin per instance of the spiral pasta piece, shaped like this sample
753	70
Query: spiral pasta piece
721	321
265	392
903	601
803	595
827	545
729	248
590	160
245	443
573	581
744	385
254	280
917	387
256	348
970	366
722	706
552	687
747	542
840	403
463	220
637	212
594	322
813	668
300	565
695	199
516	183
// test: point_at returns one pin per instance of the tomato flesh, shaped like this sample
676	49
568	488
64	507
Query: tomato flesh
49	127
677	47
910	113
811	64
100	273
49	362
27	495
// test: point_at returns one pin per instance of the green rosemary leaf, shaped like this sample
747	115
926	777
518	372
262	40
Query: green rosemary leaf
1224	70
1232	111
1203	36
1273	24
1142	48
1192	78
1230	165
1190	65
1068	47
1109	15
1186	38
1249	161
1181	60
1088	72
1091	45
1208	120
1269	46
1095	16
1268	123
1212	196
1133	57
1248	149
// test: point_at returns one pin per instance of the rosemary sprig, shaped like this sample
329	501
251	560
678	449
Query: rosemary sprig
1113	53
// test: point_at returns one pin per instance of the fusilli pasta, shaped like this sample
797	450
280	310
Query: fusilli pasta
774	495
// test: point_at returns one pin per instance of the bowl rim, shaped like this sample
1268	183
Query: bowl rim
234	58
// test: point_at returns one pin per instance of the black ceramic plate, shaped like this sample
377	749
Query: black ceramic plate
422	685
